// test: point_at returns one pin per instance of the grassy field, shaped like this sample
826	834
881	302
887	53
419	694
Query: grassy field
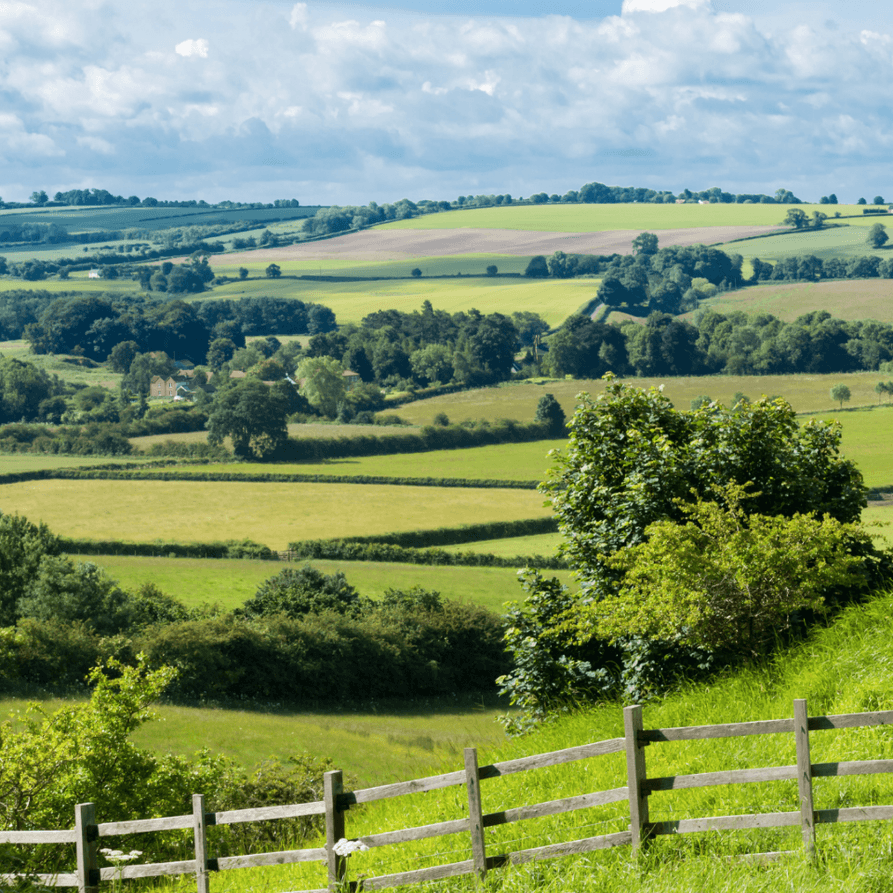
601	218
382	743
518	400
543	544
506	462
464	264
57	364
834	241
14	462
229	582
554	300
845	299
844	668
273	514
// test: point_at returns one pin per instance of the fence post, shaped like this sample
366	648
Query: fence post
202	880
333	785
86	842
475	812
804	775
636	775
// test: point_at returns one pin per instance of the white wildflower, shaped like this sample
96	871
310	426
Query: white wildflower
346	847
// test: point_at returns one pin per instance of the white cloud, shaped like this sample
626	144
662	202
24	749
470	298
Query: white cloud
299	16
198	47
96	144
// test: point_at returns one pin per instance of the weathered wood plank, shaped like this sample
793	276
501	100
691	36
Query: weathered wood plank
726	823
727	730
587	845
149	869
85	847
854	814
553	758
853	767
636	774
475	812
555	807
48	880
419	875
332	790
38	836
201	844
265	813
143	826
421	832
398	789
286	857
804	775
851	720
731	776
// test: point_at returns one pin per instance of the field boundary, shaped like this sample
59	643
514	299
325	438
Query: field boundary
337	802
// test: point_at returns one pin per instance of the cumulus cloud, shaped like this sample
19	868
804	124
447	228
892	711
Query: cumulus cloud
670	93
198	47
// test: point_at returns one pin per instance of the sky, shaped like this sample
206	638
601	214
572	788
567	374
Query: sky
254	100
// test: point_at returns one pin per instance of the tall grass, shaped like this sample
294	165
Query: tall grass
846	667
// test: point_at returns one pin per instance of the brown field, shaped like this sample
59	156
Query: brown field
394	244
845	299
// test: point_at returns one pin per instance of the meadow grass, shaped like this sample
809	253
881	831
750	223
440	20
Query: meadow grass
846	241
518	400
11	463
76	283
505	462
573	218
273	514
373	744
541	544
229	582
844	667
553	299
471	265
849	299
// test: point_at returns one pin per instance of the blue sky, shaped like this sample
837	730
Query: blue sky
350	102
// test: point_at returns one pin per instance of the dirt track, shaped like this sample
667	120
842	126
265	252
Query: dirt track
399	244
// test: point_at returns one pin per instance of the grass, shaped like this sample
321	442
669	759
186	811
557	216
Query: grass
11	463
846	667
518	400
852	299
229	582
273	514
554	300
57	364
377	744
542	544
835	241
506	462
603	218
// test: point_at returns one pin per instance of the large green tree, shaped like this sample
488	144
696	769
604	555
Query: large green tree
252	415
322	383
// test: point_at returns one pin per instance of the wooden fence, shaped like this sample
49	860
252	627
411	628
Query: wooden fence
336	802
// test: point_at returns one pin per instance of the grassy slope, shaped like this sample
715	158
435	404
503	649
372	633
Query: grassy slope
273	514
601	218
806	393
835	241
230	582
554	300
507	462
844	668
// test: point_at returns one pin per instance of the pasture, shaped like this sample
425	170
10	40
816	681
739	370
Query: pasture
66	367
273	514
378	744
504	462
518	400
845	241
578	218
230	581
850	299
554	300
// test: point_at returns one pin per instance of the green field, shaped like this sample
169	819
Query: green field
464	264
273	514
833	241
543	544
230	581
58	364
602	218
850	299
10	463
518	400
554	300
383	743
505	462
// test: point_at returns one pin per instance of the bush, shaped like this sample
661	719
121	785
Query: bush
306	590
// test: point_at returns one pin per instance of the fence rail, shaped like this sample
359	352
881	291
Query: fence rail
87	833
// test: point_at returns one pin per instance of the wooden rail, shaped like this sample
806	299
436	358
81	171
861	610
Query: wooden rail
87	833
